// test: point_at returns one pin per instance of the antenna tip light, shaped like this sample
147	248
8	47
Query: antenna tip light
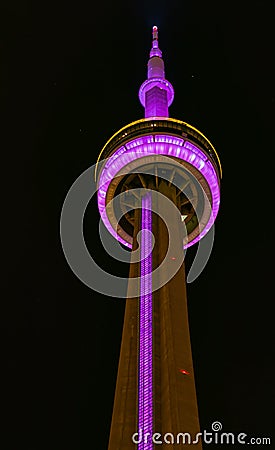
155	32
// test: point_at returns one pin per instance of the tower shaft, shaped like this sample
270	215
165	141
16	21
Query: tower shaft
175	394
174	403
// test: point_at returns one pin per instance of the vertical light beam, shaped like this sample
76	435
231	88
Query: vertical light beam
145	398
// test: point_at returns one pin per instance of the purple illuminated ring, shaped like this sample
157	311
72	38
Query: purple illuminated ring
159	82
160	144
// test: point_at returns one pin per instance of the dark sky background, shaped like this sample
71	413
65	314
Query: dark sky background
69	78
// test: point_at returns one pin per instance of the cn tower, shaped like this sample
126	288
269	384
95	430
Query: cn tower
145	161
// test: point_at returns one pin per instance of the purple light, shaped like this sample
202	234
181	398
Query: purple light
160	83
160	145
156	103
156	95
145	384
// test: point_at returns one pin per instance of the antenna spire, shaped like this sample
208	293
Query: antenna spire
156	93
155	51
155	33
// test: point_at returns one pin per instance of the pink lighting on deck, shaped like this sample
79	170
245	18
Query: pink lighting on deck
146	146
160	83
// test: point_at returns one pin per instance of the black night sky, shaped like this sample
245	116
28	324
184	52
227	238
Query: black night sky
69	78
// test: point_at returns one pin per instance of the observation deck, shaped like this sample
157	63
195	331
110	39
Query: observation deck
146	151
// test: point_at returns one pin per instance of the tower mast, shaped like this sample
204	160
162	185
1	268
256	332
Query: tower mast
156	93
